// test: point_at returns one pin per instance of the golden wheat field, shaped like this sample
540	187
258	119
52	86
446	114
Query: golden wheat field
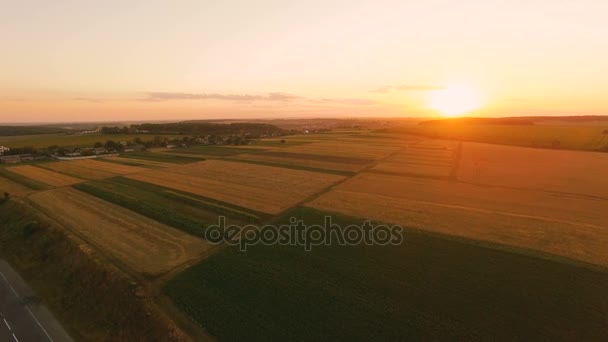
117	169
553	223
261	188
414	169
44	176
421	158
12	188
572	172
72	169
136	241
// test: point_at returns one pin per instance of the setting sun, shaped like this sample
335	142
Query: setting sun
454	100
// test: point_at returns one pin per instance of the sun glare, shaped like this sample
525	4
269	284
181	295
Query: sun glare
454	100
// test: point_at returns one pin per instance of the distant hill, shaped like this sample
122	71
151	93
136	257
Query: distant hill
204	128
481	121
31	130
518	120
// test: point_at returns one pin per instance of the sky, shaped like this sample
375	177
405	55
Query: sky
137	60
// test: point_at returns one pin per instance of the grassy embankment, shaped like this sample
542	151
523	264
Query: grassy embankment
93	300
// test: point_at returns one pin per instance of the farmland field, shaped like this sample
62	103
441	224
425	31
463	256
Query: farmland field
116	231
428	288
500	242
575	173
117	169
12	188
138	162
162	157
45	176
243	184
561	225
345	149
302	161
578	137
73	169
214	150
162	204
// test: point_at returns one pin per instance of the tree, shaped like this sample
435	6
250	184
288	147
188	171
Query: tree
98	145
111	145
282	141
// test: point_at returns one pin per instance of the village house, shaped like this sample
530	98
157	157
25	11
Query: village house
26	157
100	150
10	159
4	149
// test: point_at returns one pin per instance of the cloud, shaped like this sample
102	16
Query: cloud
275	96
405	87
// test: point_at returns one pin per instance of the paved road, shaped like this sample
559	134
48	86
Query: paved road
22	318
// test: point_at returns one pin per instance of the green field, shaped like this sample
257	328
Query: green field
577	137
17	178
429	288
161	157
184	212
215	150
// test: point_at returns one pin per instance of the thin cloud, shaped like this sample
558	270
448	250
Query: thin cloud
88	99
417	87
274	96
351	102
405	87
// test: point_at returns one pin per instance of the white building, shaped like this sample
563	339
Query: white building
3	150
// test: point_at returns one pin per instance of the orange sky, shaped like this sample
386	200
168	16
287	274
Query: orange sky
135	60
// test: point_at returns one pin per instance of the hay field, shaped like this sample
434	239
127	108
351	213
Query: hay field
117	169
427	158
142	244
72	169
12	188
262	188
558	224
44	176
577	173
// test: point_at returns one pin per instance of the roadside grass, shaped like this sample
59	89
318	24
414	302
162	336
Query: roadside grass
428	288
93	300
